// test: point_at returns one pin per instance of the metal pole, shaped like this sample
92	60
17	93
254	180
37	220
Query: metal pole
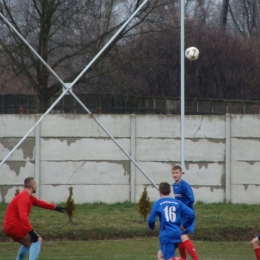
70	88
38	157
182	85
132	167
228	186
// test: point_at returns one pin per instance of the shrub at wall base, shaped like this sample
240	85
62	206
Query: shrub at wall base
70	206
144	204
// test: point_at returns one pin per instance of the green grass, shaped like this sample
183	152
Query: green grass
92	221
142	249
99	221
226	222
117	231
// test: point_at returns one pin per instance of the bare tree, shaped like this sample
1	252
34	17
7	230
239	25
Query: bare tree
66	33
145	58
245	17
224	13
226	69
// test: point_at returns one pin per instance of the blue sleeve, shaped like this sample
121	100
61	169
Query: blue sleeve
187	216
189	195
152	218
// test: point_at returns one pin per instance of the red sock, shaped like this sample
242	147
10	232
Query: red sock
182	250
257	253
191	249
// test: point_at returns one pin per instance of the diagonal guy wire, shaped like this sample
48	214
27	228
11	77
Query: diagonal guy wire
68	88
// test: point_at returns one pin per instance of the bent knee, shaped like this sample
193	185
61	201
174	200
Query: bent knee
160	255
255	242
184	237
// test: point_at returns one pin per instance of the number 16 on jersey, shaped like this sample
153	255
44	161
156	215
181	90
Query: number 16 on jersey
170	214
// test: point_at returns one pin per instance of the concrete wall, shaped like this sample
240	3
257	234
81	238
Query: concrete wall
222	156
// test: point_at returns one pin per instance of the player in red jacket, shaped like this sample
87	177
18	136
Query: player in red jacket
16	220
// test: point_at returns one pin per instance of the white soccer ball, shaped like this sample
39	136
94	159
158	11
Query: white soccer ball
192	53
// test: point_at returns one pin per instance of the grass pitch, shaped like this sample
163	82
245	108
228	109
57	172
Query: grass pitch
99	221
117	231
139	249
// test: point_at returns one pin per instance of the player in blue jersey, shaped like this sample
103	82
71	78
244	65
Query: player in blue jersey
183	192
174	216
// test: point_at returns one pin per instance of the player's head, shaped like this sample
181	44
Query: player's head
30	184
177	173
164	188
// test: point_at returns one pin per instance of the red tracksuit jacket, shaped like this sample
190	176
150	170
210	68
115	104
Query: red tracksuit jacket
16	220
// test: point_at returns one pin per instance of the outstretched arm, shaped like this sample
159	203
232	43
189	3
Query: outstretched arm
42	204
46	205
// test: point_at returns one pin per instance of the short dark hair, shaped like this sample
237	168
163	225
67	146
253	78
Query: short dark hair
28	181
165	188
176	167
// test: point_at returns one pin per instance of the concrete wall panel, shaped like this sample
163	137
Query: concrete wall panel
82	172
197	174
8	192
23	123
156	171
204	174
165	126
245	126
205	127
245	173
248	194
209	194
160	150
76	125
245	149
14	172
203	150
168	126
86	193
24	152
74	151
82	149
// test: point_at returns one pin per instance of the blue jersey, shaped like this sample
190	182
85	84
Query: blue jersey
183	192
171	213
